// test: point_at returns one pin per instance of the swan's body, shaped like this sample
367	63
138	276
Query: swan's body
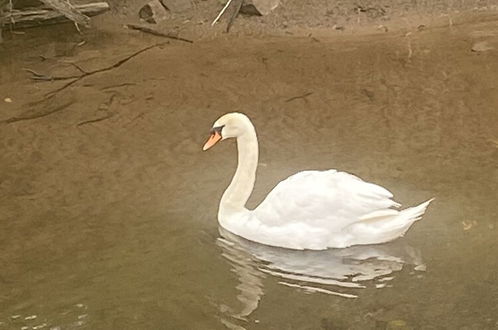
309	210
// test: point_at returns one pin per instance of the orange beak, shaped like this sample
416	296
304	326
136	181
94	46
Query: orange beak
213	139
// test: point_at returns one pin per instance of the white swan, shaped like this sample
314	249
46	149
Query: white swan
312	210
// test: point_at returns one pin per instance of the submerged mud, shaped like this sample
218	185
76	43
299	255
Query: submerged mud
108	205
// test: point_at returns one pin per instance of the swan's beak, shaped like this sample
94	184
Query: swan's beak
213	139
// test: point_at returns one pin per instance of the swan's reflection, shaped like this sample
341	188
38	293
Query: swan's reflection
340	272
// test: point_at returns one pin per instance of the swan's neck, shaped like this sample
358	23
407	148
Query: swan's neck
236	195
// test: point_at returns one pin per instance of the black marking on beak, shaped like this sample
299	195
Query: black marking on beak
217	129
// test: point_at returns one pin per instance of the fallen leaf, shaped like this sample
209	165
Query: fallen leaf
468	224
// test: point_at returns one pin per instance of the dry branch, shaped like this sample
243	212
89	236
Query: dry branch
41	77
96	120
299	97
39	16
29	115
221	12
235	13
3	8
68	10
156	33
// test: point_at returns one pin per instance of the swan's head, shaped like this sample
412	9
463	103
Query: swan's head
230	125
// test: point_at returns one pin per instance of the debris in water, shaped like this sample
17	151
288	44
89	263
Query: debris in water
396	324
481	46
383	28
494	141
468	224
421	268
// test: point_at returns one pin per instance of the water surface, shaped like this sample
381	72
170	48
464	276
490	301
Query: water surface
112	224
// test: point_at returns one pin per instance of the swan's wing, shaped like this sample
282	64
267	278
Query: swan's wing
329	200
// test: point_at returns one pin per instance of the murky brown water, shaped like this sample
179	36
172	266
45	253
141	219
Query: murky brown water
112	224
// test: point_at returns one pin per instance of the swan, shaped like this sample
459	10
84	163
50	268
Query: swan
313	210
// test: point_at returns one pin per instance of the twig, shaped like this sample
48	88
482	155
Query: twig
42	77
52	93
156	33
69	11
139	116
77	67
30	17
118	85
221	12
238	5
3	8
108	68
91	121
299	97
37	115
34	73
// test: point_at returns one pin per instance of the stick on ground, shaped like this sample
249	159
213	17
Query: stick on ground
68	10
156	33
235	13
36	16
221	12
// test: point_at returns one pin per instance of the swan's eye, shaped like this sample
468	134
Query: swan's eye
217	129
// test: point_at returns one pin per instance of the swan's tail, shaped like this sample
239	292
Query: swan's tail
385	225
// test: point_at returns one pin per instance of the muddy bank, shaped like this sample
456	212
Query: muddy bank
293	16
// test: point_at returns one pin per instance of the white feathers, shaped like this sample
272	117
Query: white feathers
326	209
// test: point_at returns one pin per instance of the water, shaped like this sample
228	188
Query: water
112	224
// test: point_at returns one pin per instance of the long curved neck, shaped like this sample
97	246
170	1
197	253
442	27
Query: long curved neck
236	195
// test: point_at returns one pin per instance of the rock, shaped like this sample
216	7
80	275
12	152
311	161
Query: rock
153	12
177	6
259	7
